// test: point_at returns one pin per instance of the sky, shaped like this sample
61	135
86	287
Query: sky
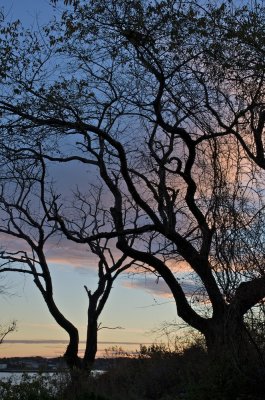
138	304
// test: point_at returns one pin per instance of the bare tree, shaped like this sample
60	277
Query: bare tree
25	204
135	98
6	329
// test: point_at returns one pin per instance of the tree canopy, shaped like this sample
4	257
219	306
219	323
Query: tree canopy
164	103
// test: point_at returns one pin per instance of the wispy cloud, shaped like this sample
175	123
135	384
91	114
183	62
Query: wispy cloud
61	252
158	287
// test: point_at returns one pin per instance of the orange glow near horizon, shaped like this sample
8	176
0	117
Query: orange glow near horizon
56	349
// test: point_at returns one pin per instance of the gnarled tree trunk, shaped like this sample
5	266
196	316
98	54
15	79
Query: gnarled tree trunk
234	359
227	336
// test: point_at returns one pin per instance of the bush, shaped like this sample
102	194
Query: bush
44	387
41	387
158	373
162	374
156	350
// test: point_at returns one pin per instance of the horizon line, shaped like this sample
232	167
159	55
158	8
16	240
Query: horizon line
63	341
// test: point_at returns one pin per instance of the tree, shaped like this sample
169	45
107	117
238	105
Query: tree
136	97
6	329
25	204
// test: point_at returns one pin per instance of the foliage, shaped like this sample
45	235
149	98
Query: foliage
29	388
43	387
155	350
186	375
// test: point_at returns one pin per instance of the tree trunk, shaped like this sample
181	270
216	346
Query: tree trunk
230	347
80	374
92	337
91	345
224	334
71	354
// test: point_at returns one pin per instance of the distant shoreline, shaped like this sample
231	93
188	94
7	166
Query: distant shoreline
20	365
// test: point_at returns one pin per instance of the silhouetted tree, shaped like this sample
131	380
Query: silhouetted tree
6	329
25	204
144	94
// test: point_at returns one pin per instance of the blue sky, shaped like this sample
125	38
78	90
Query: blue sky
30	12
133	303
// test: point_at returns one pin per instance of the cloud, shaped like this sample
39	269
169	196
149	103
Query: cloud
71	254
63	252
59	251
158	287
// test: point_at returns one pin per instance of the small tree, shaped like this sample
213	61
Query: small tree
6	329
25	205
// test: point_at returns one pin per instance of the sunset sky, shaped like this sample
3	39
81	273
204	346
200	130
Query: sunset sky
138	304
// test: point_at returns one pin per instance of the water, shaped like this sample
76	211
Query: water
17	376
